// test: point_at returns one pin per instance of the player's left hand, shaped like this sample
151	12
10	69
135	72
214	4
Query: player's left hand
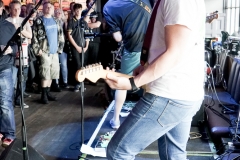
119	83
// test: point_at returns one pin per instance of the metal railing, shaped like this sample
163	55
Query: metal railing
232	10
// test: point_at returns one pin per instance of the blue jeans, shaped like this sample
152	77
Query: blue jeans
14	75
18	92
63	67
129	61
7	120
154	118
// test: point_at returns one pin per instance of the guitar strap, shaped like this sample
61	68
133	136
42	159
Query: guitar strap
148	36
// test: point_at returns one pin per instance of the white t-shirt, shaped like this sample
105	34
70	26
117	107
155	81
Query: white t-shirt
17	22
186	80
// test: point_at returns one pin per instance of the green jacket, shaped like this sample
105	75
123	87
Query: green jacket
40	41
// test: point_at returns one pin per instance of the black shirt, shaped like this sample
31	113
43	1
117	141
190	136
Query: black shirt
7	30
129	18
94	30
76	26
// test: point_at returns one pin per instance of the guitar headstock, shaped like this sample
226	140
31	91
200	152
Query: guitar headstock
212	16
91	72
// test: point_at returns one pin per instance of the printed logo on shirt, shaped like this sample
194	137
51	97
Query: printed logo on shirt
51	27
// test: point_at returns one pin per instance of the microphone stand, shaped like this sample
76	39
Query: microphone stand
17	39
82	83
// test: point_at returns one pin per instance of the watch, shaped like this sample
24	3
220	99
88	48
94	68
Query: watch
134	87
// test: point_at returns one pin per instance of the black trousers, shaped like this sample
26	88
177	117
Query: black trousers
92	53
77	61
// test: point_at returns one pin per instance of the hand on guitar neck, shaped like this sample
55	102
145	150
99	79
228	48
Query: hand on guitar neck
94	72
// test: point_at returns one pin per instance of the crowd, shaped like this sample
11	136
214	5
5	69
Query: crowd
48	41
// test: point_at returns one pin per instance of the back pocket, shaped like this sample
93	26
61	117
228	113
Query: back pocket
174	113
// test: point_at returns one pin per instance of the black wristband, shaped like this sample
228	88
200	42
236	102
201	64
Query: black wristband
134	87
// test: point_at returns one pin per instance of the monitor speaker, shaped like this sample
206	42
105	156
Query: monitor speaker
14	152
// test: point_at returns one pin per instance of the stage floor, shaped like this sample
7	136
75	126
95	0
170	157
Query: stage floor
54	129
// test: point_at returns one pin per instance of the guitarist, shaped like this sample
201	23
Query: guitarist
128	20
174	79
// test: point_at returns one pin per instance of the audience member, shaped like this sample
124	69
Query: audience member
26	33
76	39
7	119
94	26
48	42
23	11
71	10
56	5
6	8
32	58
59	14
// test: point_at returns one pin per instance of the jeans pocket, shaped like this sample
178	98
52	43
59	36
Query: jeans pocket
173	113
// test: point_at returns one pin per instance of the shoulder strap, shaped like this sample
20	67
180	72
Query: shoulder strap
148	35
143	5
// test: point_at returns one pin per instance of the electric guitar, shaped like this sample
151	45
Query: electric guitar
94	72
211	17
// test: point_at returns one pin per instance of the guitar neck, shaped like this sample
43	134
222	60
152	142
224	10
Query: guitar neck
96	72
105	72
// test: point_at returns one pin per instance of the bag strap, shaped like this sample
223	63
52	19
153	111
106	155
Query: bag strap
148	35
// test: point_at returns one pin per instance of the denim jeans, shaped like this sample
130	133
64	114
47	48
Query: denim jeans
7	120
14	75
154	118
18	92
129	61
63	67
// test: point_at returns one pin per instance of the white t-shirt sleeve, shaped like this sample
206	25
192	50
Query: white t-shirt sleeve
176	11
